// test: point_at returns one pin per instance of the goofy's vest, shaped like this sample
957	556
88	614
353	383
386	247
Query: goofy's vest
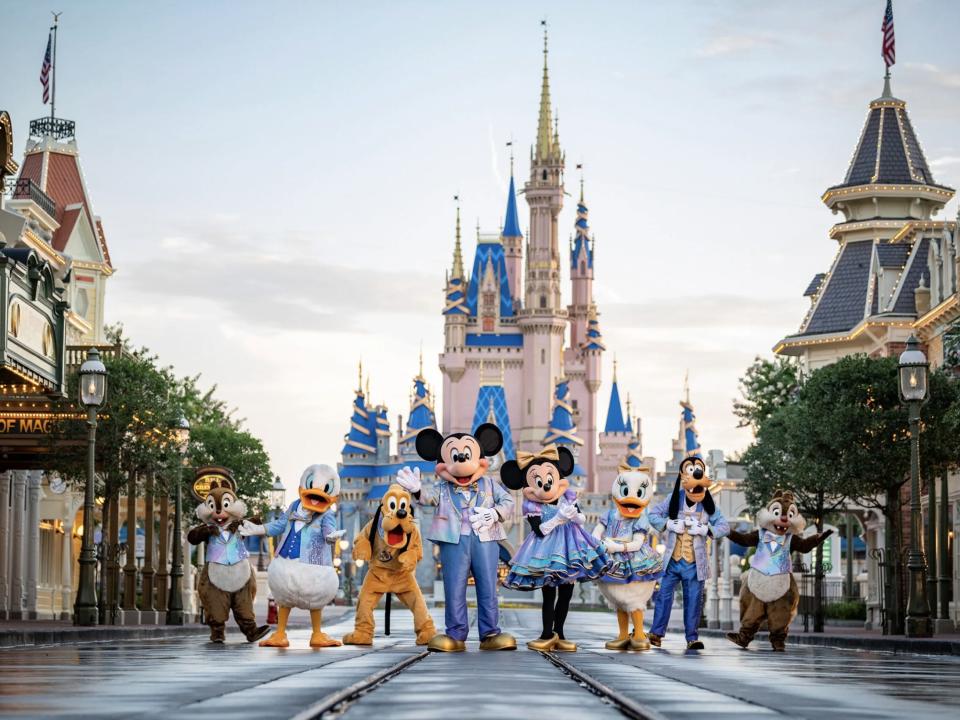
773	553
226	551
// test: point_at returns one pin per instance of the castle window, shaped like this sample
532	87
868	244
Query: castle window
543	356
543	301
529	407
544	175
583	266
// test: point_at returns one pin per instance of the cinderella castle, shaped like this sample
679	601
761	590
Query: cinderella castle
513	354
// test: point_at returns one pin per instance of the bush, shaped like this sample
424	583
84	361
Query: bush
847	610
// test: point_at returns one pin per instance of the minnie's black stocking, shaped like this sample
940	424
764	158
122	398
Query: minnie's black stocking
549	598
565	592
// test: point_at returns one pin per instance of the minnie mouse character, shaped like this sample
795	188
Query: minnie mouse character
558	551
466	527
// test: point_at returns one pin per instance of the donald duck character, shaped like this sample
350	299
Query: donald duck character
301	575
624	531
466	527
688	515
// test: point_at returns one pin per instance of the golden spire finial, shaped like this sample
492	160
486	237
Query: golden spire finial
457	251
544	141
628	405
368	387
421	359
686	387
360	376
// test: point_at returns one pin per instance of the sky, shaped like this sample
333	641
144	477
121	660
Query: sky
276	180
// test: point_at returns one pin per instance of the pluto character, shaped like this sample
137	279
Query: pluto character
390	544
635	566
688	515
228	581
302	575
769	591
466	527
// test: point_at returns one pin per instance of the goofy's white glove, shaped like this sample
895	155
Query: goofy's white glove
676	526
698	528
248	528
409	479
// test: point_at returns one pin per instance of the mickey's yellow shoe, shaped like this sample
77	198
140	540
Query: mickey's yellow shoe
445	643
500	641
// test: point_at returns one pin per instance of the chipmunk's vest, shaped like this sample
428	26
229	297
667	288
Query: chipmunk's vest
772	566
227	561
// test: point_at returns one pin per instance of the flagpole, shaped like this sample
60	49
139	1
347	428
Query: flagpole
53	67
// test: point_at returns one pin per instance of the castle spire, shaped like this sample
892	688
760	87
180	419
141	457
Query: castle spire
511	223
545	125
457	250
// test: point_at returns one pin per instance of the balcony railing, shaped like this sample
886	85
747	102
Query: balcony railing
76	354
27	189
54	127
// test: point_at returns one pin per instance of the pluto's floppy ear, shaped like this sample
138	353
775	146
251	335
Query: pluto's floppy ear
512	476
428	444
674	511
566	461
489	438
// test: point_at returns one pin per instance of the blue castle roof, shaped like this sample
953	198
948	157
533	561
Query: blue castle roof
456	297
688	426
490	253
582	242
594	339
421	411
615	422
382	426
492	407
562	430
362	437
511	222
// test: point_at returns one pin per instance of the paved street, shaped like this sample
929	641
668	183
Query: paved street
185	677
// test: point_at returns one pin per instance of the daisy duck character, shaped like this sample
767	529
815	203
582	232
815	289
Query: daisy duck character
688	515
466	527
635	566
558	551
301	575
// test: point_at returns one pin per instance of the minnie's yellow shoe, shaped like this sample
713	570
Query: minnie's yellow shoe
541	645
565	646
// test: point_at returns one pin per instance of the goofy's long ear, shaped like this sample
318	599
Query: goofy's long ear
512	476
674	511
428	444
566	462
374	525
489	438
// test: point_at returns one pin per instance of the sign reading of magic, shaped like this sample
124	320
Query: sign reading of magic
25	425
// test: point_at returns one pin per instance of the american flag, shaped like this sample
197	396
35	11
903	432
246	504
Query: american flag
45	69
889	46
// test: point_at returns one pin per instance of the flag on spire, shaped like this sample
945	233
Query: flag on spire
889	51
45	69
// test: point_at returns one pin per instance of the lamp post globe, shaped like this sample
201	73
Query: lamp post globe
278	494
180	435
92	394
914	369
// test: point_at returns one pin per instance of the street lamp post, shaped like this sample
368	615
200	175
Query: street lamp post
93	391
913	389
181	437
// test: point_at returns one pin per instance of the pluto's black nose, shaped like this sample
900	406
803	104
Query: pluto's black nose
402	513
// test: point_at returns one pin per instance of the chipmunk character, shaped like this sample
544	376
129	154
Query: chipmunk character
228	581
769	591
391	544
558	551
624	531
467	529
301	575
688	515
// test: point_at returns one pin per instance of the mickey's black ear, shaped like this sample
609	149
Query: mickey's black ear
490	439
428	444
566	462
512	476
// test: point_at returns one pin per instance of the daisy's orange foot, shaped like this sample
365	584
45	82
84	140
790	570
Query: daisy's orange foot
322	640
277	640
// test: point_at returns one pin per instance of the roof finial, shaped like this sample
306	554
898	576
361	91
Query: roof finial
457	252
421	359
887	93
580	168
544	142
368	386
686	387
360	376
614	367
510	145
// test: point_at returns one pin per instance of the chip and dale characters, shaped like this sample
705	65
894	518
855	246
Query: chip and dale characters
769	590
466	526
228	581
302	575
390	545
558	552
687	516
624	531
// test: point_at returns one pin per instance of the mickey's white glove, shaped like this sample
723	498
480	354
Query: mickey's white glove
409	479
248	528
484	518
612	546
676	526
335	536
698	528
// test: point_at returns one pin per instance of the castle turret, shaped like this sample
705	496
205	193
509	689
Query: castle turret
613	440
581	276
360	442
512	240
563	429
455	307
421	416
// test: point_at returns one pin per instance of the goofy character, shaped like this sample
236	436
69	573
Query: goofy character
687	516
467	529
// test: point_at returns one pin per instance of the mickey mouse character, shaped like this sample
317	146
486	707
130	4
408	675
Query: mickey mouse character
227	581
466	527
769	591
687	516
558	551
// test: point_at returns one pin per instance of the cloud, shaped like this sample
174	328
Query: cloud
937	75
706	311
945	161
736	44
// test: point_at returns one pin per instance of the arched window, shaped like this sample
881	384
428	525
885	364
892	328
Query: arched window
543	302
583	267
544	174
543	356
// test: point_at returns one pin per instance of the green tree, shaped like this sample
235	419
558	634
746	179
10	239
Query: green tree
766	386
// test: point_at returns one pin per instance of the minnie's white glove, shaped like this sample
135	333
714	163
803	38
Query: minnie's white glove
550	525
248	528
409	479
676	526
